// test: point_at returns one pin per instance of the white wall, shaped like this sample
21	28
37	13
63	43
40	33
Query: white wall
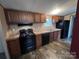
3	20
3	45
67	17
3	30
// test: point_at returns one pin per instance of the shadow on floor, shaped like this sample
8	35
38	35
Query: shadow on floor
2	56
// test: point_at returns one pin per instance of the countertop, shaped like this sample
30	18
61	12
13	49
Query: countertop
15	34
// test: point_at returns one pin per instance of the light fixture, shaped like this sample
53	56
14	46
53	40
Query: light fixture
55	11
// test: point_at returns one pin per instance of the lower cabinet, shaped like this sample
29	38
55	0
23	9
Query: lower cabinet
41	39
14	48
51	37
56	35
38	41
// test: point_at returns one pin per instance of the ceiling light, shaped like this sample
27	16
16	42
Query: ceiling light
55	12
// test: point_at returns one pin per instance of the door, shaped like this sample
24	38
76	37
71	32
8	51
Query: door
3	45
71	27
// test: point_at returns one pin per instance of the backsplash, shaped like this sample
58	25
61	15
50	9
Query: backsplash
37	27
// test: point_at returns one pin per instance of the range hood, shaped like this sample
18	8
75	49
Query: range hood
26	24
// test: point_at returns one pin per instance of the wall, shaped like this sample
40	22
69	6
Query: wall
44	26
3	20
1	46
67	17
3	29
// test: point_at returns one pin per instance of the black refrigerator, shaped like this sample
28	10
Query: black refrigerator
64	26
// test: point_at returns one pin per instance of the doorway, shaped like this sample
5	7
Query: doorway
70	31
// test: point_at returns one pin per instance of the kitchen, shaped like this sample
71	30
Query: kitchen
19	23
38	28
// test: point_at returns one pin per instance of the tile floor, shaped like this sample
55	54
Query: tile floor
54	50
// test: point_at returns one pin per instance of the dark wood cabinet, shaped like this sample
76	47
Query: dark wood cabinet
38	41
51	37
16	17
37	18
40	18
27	17
23	17
41	39
11	17
56	35
43	18
56	18
14	47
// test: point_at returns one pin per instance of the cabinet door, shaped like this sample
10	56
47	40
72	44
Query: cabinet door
56	35
14	47
10	17
43	18
30	17
56	18
16	17
37	18
51	37
38	41
19	17
13	17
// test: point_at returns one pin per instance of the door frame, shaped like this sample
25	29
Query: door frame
3	41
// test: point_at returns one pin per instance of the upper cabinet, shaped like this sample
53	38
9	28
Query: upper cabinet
11	16
27	17
56	18
43	18
40	18
16	17
37	18
23	17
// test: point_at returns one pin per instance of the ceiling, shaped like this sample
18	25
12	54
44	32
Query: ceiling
42	6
